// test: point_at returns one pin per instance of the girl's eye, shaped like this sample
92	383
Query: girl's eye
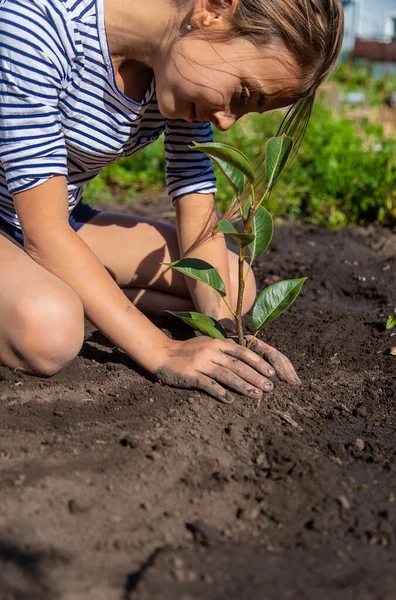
245	95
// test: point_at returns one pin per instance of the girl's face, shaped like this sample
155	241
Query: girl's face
222	81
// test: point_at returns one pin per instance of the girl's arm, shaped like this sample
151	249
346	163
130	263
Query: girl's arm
50	241
212	365
196	219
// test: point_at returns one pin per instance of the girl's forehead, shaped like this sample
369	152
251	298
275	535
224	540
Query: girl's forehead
269	67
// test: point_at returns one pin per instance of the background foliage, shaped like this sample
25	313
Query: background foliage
358	76
345	171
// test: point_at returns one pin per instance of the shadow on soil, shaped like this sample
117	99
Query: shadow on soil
24	572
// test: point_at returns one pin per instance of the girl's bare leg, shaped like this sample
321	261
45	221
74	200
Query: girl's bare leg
41	318
153	303
133	248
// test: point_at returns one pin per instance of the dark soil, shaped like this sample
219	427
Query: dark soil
115	487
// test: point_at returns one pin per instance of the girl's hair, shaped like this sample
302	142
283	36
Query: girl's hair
312	31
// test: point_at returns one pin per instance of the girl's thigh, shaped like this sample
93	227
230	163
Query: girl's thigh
41	317
132	249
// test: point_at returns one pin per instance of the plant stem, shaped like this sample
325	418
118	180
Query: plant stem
247	222
241	289
266	196
228	306
253	338
241	260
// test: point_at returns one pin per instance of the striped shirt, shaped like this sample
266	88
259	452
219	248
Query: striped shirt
61	112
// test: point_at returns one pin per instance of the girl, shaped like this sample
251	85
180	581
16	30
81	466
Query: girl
84	82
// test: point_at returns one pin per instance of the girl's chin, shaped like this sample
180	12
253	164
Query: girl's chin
164	109
174	113
169	114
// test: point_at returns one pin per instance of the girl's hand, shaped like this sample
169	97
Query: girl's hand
282	365
216	365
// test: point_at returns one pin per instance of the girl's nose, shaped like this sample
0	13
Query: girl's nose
223	121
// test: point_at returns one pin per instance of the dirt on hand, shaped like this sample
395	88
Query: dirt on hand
114	486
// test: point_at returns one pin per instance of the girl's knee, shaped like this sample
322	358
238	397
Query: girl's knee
48	331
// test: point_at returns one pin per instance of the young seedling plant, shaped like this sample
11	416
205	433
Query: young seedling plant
252	189
391	320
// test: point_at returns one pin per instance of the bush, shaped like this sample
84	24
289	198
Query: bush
341	175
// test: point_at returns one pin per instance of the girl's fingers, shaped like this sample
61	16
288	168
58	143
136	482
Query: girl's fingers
210	386
282	365
197	381
249	357
244	371
233	381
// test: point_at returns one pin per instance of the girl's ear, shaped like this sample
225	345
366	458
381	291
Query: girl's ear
213	13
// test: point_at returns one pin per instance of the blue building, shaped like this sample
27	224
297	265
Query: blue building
370	20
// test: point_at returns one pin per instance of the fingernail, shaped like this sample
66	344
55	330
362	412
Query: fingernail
297	381
228	399
254	391
268	385
271	372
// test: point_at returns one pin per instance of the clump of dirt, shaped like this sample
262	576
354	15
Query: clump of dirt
114	486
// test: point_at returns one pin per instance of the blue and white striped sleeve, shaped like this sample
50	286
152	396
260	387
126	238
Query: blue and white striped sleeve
188	171
33	66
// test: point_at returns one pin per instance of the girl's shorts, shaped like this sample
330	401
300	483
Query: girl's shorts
80	215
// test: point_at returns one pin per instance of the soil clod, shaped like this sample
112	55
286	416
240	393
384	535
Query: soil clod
129	441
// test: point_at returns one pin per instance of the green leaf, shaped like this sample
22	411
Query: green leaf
390	322
277	152
274	300
263	229
202	323
235	177
243	239
225	226
234	164
200	270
